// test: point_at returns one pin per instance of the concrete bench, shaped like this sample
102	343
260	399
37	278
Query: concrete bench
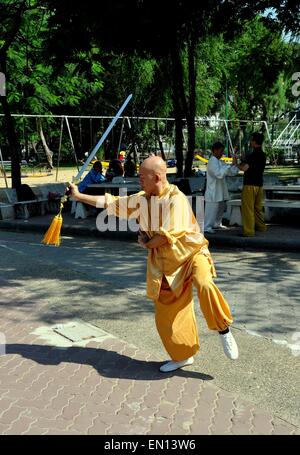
39	206
6	211
81	210
235	205
24	209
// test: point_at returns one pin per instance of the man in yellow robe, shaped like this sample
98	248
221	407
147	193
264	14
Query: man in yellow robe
178	258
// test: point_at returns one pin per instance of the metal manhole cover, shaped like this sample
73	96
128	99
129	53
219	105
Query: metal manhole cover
79	331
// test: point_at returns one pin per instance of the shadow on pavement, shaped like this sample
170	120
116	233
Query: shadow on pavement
107	363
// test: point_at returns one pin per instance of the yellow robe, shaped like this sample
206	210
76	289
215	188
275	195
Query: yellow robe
175	266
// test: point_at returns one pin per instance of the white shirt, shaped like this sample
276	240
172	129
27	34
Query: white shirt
216	186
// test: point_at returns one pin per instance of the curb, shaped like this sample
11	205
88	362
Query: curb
69	230
254	243
214	240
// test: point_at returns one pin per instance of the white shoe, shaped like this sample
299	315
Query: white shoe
209	230
172	366
229	345
221	226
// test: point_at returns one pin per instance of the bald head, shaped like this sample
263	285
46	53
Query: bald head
155	164
153	175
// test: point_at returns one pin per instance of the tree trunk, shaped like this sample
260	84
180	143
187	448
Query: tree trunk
26	144
178	133
161	148
13	145
178	101
49	153
11	135
191	111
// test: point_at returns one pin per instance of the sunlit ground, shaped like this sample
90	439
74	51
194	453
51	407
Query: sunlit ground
65	174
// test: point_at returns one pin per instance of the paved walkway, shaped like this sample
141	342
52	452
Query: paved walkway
106	386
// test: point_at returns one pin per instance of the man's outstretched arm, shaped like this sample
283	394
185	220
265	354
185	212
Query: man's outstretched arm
95	201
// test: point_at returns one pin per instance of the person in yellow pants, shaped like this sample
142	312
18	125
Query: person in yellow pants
178	258
174	311
252	210
252	193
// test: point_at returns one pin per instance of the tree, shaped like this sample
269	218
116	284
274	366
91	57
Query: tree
258	67
11	19
61	54
34	85
163	30
255	61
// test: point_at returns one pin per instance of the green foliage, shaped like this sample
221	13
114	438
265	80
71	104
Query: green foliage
255	69
210	74
33	84
99	61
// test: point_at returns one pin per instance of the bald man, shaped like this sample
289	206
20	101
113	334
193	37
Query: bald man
178	257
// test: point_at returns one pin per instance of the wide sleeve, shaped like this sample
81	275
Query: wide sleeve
217	169
122	206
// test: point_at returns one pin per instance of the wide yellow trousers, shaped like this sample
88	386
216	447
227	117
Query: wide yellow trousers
252	210
174	314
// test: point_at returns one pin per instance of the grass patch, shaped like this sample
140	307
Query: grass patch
283	171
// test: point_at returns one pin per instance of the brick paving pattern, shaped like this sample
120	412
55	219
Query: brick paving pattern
108	387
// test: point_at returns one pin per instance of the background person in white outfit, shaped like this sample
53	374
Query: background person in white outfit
216	192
